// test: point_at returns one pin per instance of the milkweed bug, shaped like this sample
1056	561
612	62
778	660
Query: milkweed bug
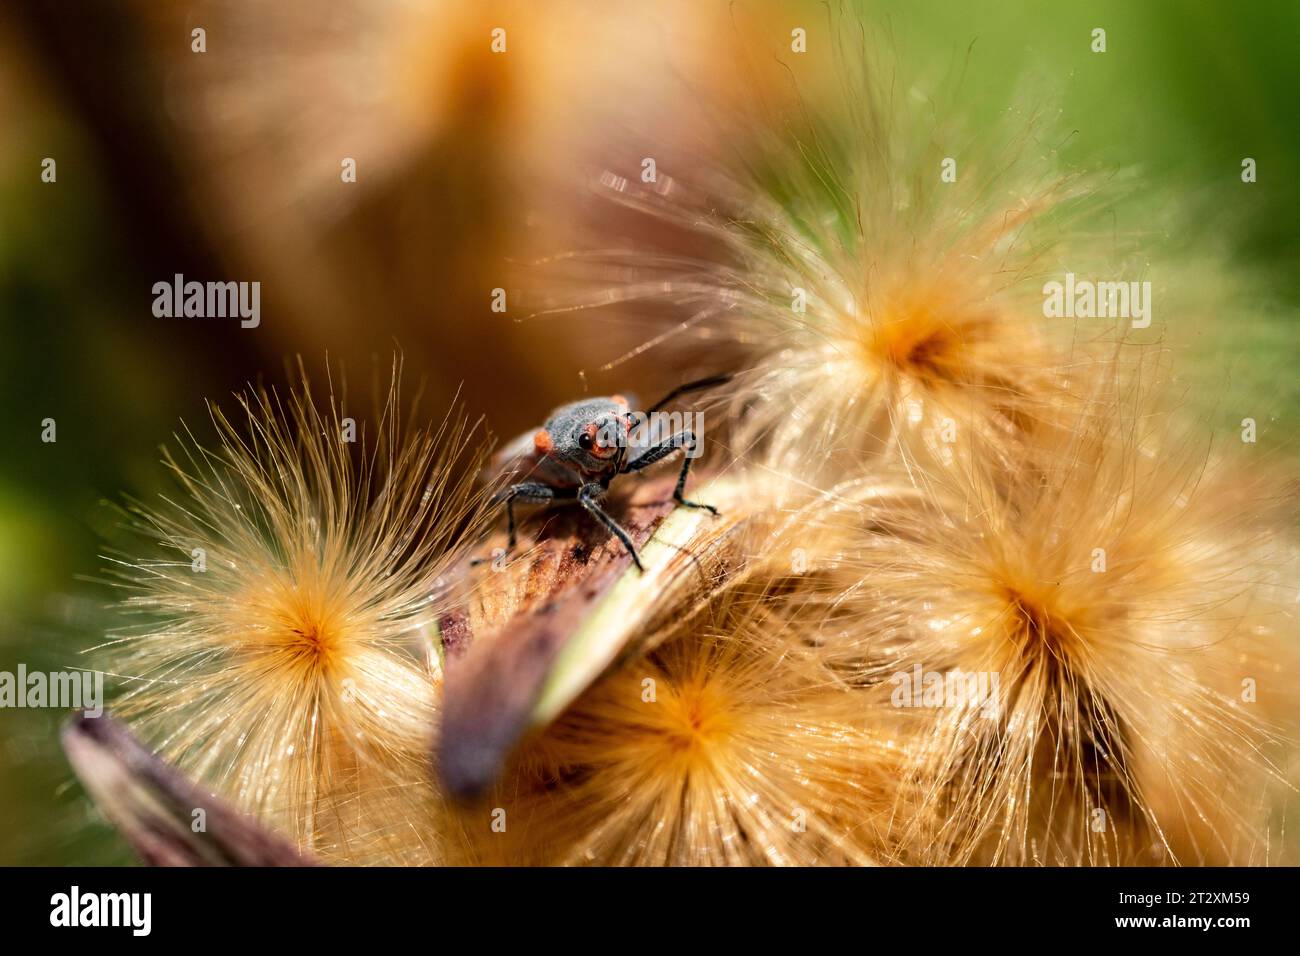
585	445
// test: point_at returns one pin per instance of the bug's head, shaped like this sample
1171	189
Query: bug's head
592	436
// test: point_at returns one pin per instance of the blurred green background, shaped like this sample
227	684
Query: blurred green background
224	165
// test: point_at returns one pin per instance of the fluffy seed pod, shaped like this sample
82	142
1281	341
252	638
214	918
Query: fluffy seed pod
1099	653
886	298
720	747
286	656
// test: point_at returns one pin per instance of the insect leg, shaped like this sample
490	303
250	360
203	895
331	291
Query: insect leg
587	497
683	439
527	491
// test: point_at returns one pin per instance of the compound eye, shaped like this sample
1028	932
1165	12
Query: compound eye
585	441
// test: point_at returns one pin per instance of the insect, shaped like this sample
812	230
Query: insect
585	445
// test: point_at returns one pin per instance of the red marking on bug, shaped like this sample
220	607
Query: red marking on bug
619	400
599	448
542	444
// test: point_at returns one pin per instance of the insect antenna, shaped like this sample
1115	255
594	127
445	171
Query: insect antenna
694	386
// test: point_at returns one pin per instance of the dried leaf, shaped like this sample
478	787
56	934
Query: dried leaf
569	609
166	818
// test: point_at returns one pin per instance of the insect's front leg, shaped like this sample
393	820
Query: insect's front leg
683	439
589	497
534	492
